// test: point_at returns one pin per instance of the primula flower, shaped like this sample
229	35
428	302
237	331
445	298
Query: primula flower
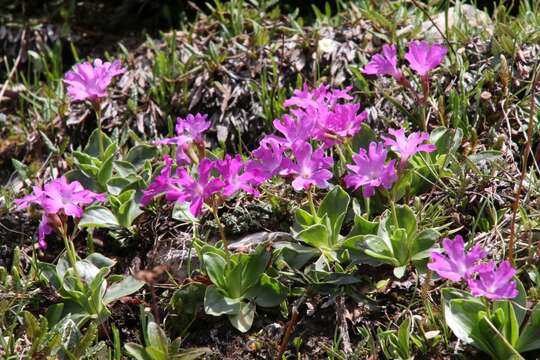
456	264
58	197
423	57
309	168
494	283
294	130
343	121
267	160
197	190
371	170
189	130
235	176
90	81
318	114
161	183
384	64
405	146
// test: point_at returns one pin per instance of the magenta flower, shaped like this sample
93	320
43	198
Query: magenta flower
294	130
371	170
189	130
161	183
235	176
384	64
306	99
423	57
58	197
405	146
266	160
309	168
494	283
87	81
456	264
198	190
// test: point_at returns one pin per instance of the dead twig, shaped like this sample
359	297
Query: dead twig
15	65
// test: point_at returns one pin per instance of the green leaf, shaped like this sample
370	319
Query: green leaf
334	206
243	320
363	138
137	351
529	338
125	287
98	217
157	337
92	147
461	313
377	248
317	236
268	293
138	154
217	304
105	171
215	268
100	261
406	219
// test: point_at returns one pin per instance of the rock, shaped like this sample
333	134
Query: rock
175	254
249	243
457	16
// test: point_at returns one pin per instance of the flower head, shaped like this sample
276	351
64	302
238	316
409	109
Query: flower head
494	283
405	146
235	176
58	197
189	130
456	264
196	190
309	168
423	57
90	81
384	64
371	170
266	160
294	130
161	183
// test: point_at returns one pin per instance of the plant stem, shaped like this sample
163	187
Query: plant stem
97	109
393	209
312	204
367	202
220	226
71	254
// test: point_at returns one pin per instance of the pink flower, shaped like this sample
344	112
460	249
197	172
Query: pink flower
89	81
161	183
293	130
423	57
456	264
267	160
197	190
405	146
309	168
319	114
384	64
58	197
235	176
344	121
189	130
371	170
494	283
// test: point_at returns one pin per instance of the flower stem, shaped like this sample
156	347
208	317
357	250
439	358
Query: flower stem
220	226
71	254
312	204
97	109
393	209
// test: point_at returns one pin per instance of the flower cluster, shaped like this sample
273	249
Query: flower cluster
422	58
318	120
189	133
371	168
58	199
199	185
90	81
484	279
